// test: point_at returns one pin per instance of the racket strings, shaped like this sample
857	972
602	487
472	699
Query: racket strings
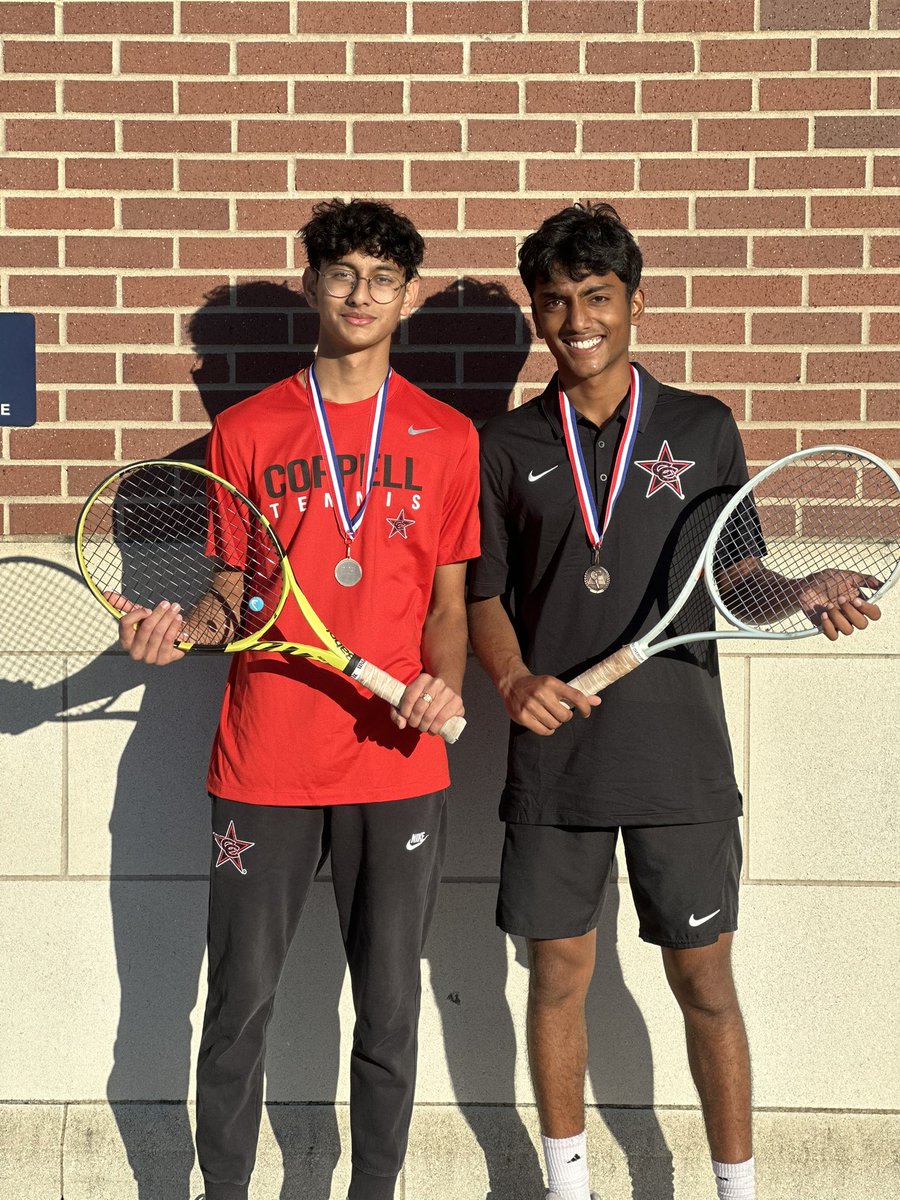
166	532
819	531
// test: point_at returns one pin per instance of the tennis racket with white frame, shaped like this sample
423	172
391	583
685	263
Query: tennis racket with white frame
166	530
817	528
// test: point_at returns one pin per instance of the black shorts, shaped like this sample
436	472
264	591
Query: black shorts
684	880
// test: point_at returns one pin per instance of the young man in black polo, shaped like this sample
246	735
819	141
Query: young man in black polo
596	497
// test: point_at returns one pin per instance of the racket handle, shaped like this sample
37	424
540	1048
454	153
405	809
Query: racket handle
598	677
390	689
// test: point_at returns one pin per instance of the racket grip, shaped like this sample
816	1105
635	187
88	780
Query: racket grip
390	689
598	677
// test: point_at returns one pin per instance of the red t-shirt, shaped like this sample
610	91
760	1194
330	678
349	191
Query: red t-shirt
294	732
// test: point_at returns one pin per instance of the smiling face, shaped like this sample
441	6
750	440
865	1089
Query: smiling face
586	324
356	323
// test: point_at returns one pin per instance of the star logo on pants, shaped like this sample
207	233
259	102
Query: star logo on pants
665	472
231	848
399	524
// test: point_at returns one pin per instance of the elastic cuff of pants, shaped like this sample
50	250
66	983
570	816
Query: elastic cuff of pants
371	1187
226	1191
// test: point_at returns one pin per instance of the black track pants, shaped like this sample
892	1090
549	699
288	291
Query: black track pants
385	862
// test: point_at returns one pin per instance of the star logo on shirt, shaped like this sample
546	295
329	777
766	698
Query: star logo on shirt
665	472
231	848
399	524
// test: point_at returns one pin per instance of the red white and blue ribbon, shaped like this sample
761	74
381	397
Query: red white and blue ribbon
620	467
347	523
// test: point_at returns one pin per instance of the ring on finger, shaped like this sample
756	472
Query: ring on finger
427	697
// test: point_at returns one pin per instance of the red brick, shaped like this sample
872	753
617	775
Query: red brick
463	329
174	58
587	16
233	98
331	98
884	329
581	176
694	251
118	329
482	16
169	291
347	175
807	251
664	291
156	368
665	364
62	444
408	58
814	14
858	54
283	215
651	213
691	329
27	18
763	446
846	212
28	251
746	291
889	92
52	213
46	329
488	366
236	253
120	174
697	16
529	57
63	291
696	95
426	214
138	444
61	136
579	96
36	57
813	95
433	97
464	175
351	17
27	95
233	175
798	329
753	133
869	288
290	58
406	137
521	136
745	366
293	136
883	406
118	251
115	97
693	174
889	14
248	17
26	520
30	481
128	16
797	404
174	214
639	57
212	137
637	136
751	212
804	174
95	406
28	174
860	366
524	215
765	55
885	251
466	252
864	132
487	293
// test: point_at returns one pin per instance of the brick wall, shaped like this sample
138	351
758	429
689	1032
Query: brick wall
158	157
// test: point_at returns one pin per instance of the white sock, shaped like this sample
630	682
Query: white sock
567	1168
735	1181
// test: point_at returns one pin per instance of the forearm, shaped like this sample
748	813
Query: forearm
444	645
494	641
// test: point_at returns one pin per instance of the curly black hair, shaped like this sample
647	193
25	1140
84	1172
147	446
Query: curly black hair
582	240
337	227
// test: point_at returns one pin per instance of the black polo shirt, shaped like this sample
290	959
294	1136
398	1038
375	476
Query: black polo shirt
656	751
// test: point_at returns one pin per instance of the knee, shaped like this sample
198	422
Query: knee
703	986
561	971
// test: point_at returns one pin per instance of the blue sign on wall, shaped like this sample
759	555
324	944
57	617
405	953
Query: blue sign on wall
18	380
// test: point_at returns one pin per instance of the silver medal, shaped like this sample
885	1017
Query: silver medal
596	579
348	572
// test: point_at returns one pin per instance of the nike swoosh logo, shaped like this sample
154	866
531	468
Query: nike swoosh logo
532	478
694	921
413	432
416	841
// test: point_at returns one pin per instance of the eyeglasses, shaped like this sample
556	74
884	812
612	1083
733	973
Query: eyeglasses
342	282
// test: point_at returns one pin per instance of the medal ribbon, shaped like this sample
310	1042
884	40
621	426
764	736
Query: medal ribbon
620	466
347	523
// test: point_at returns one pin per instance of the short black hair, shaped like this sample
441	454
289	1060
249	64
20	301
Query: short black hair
582	240
370	226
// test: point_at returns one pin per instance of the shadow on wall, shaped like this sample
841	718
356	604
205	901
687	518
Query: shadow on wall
246	338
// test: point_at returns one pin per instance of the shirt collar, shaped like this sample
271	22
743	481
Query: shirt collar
548	401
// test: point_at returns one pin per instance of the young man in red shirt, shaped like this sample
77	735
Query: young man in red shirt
304	762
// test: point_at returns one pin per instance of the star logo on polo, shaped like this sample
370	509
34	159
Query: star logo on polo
231	848
665	471
399	524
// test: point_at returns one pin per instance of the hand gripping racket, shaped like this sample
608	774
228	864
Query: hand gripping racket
816	528
162	530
